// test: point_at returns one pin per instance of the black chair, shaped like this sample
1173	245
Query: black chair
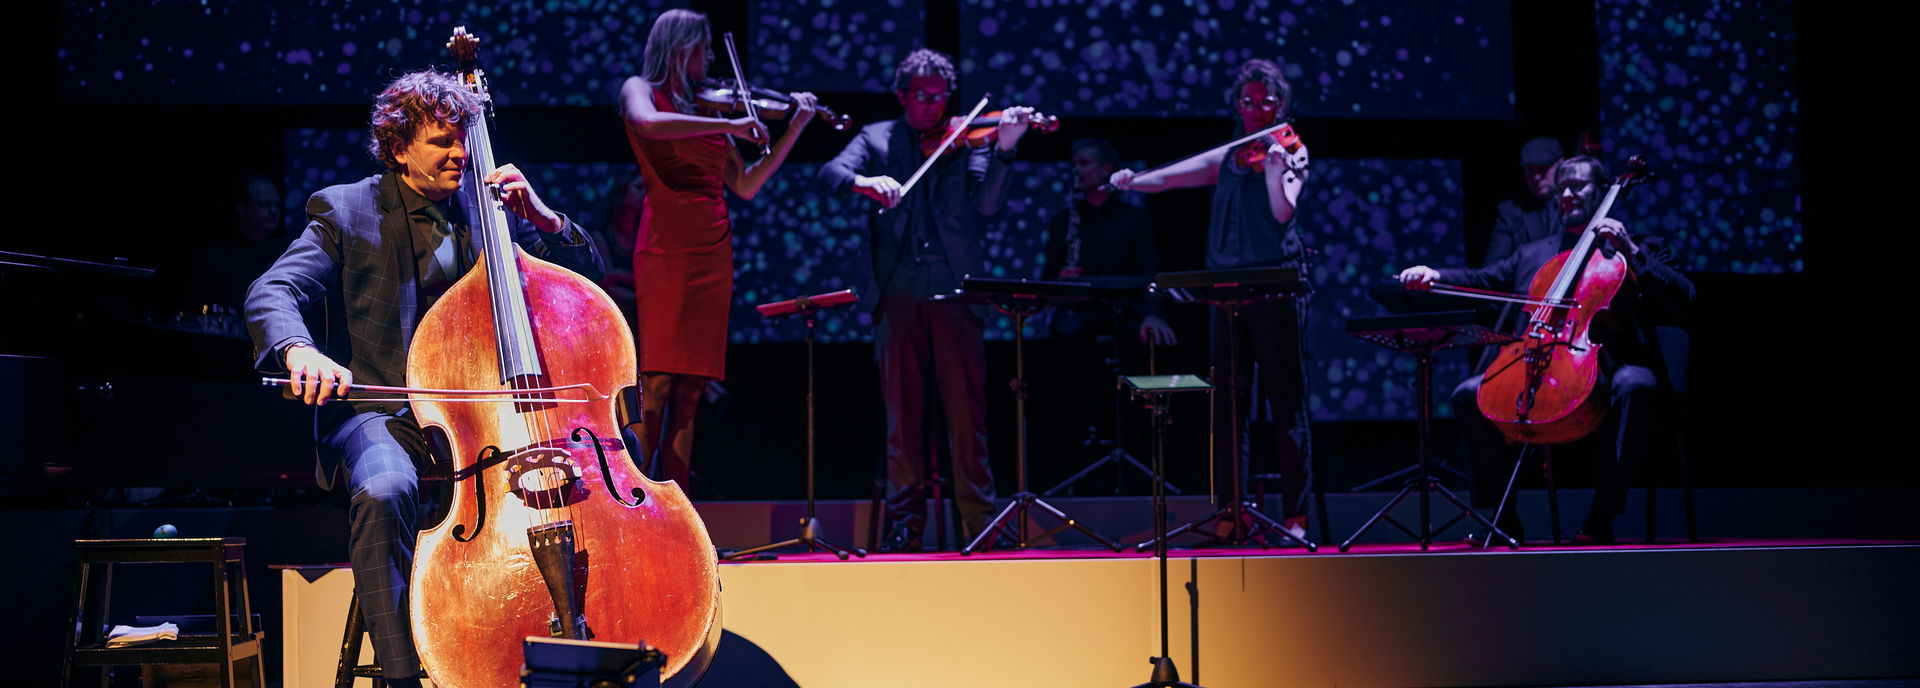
1676	348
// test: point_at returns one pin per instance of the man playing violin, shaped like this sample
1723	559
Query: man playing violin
683	258
374	256
923	245
1632	370
1255	192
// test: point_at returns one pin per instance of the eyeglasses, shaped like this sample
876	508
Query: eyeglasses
925	97
1249	101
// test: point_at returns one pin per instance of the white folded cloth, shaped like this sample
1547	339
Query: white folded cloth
129	636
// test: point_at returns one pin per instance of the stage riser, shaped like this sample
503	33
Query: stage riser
1862	513
1484	619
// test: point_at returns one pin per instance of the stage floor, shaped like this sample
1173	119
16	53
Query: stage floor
795	556
1381	615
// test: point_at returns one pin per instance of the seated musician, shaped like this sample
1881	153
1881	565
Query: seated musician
1532	217
1632	372
374	256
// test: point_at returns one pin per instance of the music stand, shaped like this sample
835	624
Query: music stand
1421	335
1397	299
808	308
1230	290
1021	299
1115	290
1155	390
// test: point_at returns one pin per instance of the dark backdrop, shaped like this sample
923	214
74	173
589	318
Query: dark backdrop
147	178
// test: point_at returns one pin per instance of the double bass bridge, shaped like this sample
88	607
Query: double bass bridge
544	477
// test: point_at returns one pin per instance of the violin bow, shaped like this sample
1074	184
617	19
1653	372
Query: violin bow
951	137
740	85
474	395
1225	146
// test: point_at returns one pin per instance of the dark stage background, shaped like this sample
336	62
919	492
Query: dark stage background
1414	112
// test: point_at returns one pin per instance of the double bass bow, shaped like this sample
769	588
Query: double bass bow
1540	389
552	531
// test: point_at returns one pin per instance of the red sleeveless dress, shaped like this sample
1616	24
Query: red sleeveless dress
683	257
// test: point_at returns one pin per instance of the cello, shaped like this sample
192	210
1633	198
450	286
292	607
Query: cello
552	531
1540	388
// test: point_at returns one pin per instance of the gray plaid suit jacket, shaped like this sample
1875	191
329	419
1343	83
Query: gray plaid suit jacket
351	272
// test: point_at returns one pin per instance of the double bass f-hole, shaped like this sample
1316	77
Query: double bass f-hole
488	456
639	495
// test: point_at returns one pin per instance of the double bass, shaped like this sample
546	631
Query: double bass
1540	388
552	531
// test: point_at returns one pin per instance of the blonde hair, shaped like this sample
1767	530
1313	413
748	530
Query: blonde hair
674	33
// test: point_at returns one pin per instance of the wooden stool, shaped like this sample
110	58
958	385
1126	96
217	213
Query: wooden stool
86	636
350	667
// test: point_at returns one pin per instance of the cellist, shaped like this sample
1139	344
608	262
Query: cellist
1632	372
374	256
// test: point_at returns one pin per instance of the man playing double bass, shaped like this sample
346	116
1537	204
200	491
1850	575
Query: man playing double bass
1632	372
374	256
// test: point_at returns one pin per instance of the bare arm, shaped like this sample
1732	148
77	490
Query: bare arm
649	122
1200	170
745	180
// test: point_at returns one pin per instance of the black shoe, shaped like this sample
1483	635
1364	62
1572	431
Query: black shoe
1592	537
904	539
1594	532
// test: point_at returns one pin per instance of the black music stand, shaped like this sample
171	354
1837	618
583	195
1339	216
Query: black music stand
1230	290
1421	335
808	308
1021	299
1156	390
1115	290
1397	299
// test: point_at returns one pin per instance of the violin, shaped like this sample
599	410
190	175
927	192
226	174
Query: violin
981	132
723	99
1253	156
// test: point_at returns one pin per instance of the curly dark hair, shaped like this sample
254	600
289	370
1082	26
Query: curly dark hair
924	62
1264	71
411	101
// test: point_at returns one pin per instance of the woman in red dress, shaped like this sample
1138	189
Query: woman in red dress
683	257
